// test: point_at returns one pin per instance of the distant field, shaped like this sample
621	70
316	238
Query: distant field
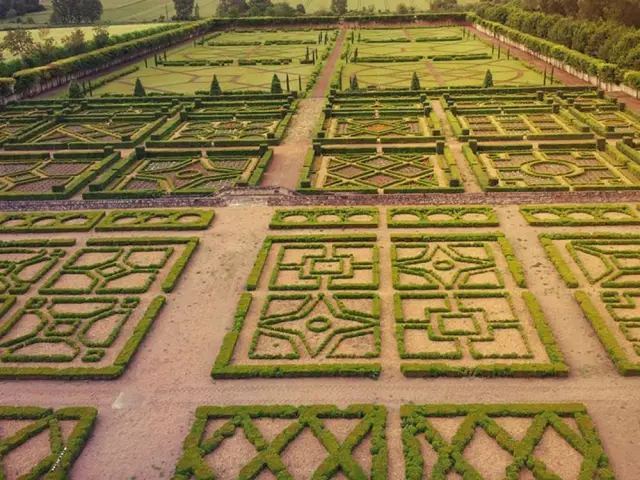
149	10
59	33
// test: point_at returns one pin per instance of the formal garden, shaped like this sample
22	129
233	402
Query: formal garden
377	248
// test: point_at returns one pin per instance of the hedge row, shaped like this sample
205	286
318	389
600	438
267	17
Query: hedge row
325	217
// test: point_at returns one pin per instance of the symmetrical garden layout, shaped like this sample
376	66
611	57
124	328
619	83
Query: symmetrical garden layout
314	306
81	310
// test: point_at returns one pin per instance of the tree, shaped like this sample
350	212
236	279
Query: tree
300	9
138	90
339	7
287	83
184	9
276	86
20	43
100	36
75	41
415	82
215	89
353	83
231	8
402	9
196	12
488	80
76	11
46	47
443	5
74	90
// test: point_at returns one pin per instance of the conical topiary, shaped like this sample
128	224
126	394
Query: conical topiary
353	85
138	90
276	86
287	83
215	89
488	80
415	82
74	90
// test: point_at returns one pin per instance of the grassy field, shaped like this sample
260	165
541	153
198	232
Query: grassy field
59	33
149	10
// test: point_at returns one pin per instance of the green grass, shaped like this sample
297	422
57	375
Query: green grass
59	33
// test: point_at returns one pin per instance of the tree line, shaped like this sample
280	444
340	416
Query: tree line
606	40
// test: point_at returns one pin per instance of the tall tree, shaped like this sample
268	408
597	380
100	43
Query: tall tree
184	9
339	7
138	90
76	11
353	83
196	11
300	9
100	36
75	41
20	43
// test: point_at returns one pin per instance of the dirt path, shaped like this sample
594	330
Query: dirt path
288	157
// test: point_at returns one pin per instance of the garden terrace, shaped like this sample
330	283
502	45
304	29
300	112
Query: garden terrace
393	170
551	167
154	173
46	176
388	59
238	66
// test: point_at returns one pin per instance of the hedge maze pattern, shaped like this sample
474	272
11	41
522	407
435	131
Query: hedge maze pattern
382	127
82	311
462	308
230	129
314	310
286	442
66	431
556	441
522	168
354	217
576	215
390	172
412	217
603	268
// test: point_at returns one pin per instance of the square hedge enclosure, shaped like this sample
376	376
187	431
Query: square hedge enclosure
313	307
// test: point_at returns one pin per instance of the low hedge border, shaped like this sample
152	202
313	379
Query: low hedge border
456	213
65	449
562	213
370	424
313	218
144	220
45	222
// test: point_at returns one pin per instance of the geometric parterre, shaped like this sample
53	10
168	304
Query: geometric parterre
283	441
74	311
604	270
462	308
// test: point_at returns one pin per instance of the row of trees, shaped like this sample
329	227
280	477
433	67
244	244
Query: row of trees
608	41
258	8
626	12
